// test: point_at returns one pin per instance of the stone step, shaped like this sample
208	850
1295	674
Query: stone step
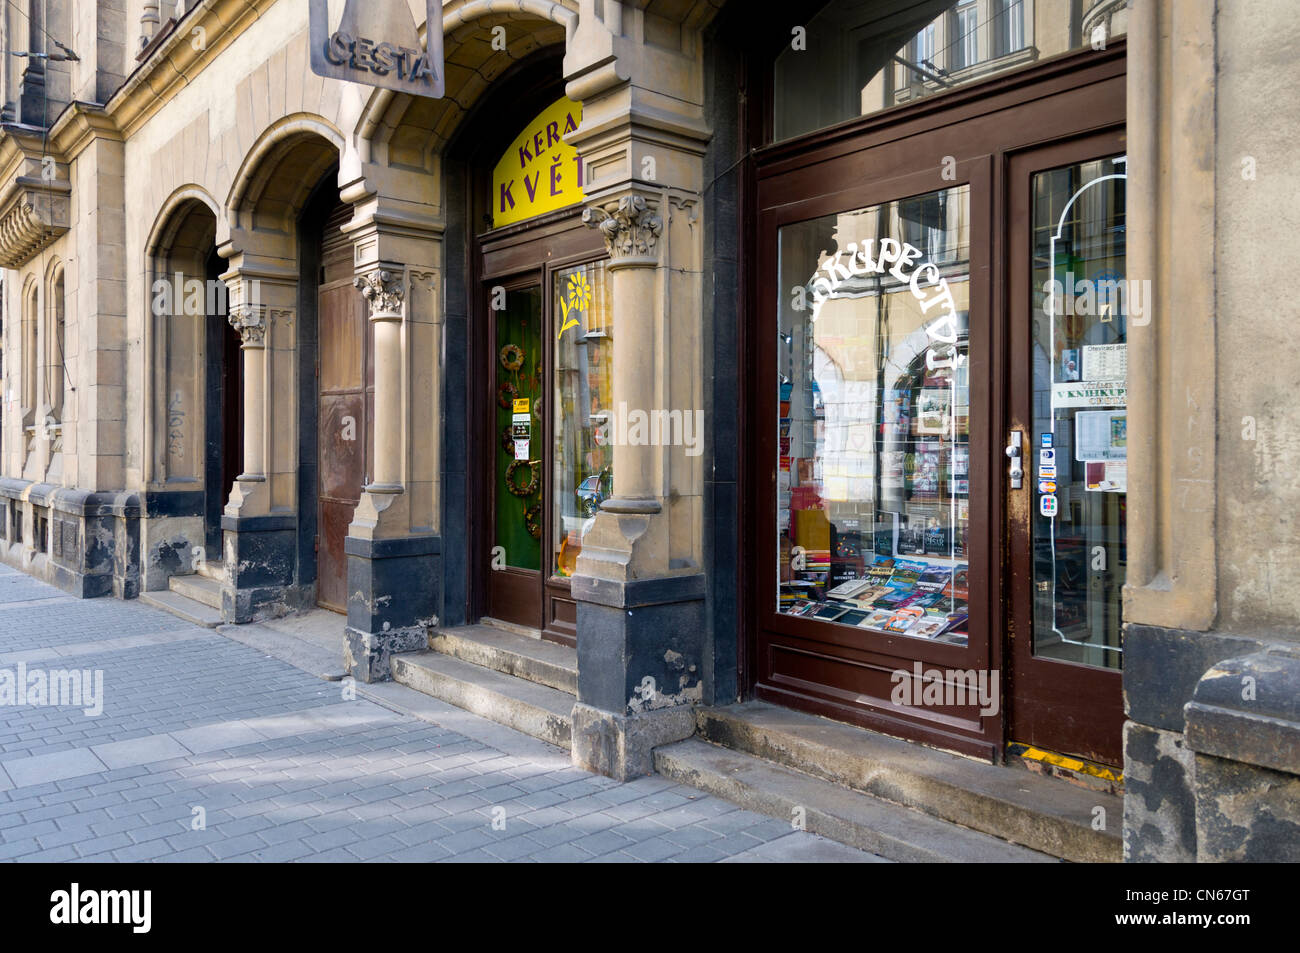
1041	813
534	660
199	588
183	607
213	569
534	709
859	820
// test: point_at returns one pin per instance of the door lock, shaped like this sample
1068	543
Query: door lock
1017	472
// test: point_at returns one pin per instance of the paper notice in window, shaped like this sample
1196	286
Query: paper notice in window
1105	362
1101	436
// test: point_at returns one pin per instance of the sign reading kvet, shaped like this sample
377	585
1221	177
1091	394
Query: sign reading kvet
377	42
539	172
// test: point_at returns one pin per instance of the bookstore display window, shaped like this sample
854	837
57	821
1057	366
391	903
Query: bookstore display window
873	474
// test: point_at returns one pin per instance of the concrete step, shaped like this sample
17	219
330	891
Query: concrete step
1042	813
199	588
183	607
535	710
534	660
213	569
868	823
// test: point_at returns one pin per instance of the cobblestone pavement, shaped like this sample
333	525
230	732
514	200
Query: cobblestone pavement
209	749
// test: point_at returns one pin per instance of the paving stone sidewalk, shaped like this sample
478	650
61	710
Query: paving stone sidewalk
210	749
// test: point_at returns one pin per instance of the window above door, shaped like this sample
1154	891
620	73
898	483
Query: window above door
859	57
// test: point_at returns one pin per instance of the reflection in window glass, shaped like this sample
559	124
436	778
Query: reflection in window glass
584	358
860	58
1082	300
873	475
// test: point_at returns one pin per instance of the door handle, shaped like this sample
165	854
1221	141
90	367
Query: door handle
1017	471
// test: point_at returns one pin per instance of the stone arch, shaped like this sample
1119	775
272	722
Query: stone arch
409	132
279	173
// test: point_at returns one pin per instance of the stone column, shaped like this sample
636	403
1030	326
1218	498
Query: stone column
640	612
631	229
250	321
393	546
260	520
384	290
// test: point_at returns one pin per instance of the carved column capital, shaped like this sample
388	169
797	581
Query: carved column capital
631	227
385	290
250	321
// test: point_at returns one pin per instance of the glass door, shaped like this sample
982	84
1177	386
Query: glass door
1072	304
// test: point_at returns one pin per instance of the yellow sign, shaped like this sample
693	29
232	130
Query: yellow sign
521	405
540	172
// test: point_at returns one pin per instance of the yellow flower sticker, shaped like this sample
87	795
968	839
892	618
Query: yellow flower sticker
577	301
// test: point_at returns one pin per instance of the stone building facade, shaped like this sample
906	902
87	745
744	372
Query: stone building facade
245	337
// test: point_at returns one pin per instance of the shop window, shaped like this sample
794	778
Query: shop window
1081	303
584	362
856	61
873	468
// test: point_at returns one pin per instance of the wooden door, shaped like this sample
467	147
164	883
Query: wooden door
1068	297
859	450
345	393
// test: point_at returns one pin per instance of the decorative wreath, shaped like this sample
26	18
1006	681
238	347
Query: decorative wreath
537	409
535	477
512	357
506	394
508	438
533	520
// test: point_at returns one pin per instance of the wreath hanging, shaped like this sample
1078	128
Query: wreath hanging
534	471
508	438
512	357
533	520
506	394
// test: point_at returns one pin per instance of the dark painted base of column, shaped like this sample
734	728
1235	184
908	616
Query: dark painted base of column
1212	750
622	746
92	547
640	647
393	601
261	558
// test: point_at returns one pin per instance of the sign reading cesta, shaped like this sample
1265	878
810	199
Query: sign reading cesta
540	172
377	42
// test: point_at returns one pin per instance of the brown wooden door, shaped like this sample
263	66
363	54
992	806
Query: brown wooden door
525	545
345	410
852	468
1068	341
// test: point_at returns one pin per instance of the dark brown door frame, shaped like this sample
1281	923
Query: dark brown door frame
1069	87
517	256
1046	696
